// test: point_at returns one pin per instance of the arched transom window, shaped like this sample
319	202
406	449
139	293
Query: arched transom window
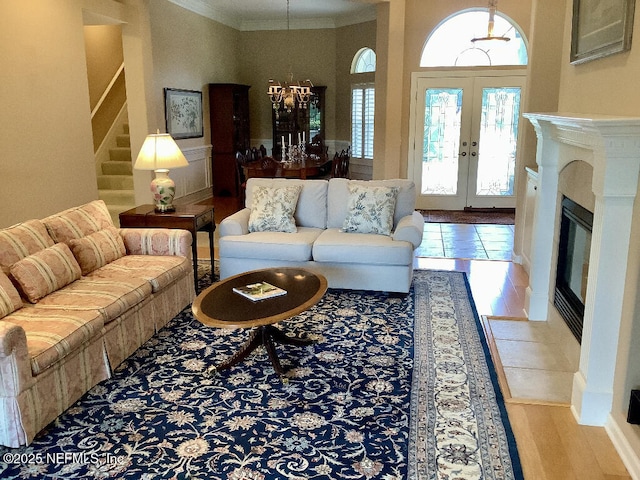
364	61
450	43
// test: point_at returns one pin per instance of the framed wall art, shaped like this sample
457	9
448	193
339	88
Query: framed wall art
600	28
183	113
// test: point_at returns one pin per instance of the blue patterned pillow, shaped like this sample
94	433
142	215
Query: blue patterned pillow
370	209
272	209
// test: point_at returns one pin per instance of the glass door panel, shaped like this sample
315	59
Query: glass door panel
493	160
466	133
441	139
442	119
498	137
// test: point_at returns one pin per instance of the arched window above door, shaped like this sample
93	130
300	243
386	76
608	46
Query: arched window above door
450	43
364	61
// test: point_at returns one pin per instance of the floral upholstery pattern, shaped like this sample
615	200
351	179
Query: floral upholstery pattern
156	241
53	334
272	209
97	249
79	221
10	300
22	240
46	271
370	209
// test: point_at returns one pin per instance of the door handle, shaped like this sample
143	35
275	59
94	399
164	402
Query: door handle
464	154
473	154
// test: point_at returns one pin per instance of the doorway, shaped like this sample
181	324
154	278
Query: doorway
465	132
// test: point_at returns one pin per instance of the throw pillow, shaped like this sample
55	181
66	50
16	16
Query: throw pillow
370	209
45	271
272	209
98	249
10	300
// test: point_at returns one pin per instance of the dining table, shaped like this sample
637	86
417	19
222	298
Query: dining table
313	166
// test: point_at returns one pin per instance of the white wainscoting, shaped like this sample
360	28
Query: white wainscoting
197	176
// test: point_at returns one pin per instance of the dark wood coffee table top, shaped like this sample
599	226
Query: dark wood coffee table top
220	306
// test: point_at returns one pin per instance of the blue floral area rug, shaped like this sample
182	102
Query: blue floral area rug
392	389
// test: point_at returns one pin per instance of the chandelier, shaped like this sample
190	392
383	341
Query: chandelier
286	95
493	5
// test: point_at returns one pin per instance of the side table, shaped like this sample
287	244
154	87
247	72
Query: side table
187	217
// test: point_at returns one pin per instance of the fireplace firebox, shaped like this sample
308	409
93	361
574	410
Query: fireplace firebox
573	264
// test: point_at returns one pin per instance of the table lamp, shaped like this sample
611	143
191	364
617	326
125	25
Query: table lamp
159	153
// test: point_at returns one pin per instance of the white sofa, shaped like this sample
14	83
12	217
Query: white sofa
363	261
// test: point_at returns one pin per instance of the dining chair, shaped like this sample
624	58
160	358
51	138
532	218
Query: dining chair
340	164
266	167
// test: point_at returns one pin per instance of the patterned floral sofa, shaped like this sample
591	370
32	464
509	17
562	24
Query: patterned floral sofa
77	297
358	234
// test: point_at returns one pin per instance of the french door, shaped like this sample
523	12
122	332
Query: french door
465	139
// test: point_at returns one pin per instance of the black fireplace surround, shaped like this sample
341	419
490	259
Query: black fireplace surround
573	264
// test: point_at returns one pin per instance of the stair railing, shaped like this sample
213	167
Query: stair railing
107	90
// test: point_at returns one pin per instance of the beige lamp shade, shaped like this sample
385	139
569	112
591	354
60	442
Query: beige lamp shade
159	150
159	153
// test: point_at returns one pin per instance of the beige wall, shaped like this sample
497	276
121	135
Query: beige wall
103	47
607	86
350	40
308	54
45	115
103	44
189	52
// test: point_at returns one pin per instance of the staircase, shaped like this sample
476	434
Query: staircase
115	181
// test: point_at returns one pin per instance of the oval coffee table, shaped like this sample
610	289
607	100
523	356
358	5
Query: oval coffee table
219	306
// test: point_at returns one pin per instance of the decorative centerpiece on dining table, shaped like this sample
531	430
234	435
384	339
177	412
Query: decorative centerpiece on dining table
294	154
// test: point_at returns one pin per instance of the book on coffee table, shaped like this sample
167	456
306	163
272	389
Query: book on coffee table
259	291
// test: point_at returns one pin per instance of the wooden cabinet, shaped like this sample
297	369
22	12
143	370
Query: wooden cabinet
309	120
229	113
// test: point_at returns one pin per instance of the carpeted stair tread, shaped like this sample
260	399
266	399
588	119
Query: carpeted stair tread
115	182
117	197
123	140
117	168
120	154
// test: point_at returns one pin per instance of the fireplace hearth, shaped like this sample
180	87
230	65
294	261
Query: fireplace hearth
574	249
610	145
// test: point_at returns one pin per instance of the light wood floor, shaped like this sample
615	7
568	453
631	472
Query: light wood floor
552	446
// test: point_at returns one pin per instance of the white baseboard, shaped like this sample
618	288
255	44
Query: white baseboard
629	456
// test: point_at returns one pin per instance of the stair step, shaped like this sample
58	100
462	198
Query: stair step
123	140
120	154
115	182
115	210
117	168
117	197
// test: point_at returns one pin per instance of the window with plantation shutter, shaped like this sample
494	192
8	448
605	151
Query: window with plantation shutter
363	104
362	120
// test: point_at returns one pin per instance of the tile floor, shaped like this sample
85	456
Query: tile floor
455	240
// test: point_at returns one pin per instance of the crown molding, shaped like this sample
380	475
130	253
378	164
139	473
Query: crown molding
201	7
205	9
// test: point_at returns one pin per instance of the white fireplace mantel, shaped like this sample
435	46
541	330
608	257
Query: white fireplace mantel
611	145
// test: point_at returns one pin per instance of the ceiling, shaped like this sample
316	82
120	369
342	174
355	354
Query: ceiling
272	14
